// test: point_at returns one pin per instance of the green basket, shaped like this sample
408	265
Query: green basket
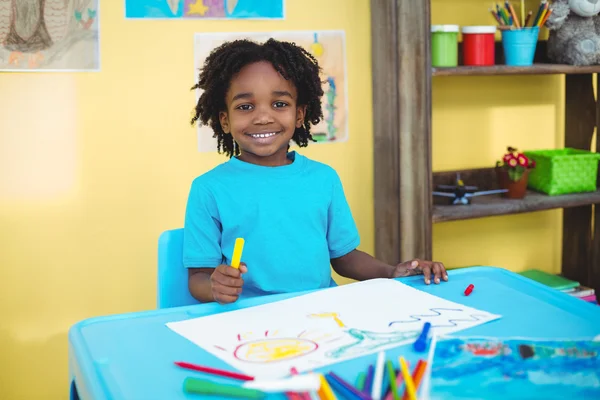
563	171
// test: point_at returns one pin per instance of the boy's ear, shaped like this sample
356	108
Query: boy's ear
224	120
300	113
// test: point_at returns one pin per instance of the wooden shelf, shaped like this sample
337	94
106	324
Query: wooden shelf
536	69
493	205
542	65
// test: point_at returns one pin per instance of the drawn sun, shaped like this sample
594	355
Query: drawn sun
269	347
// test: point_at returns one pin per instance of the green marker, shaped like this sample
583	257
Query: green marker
392	376
360	381
201	386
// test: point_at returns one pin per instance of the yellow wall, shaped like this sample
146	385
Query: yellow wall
93	166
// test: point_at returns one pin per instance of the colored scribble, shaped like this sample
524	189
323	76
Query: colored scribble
332	315
516	368
274	349
367	341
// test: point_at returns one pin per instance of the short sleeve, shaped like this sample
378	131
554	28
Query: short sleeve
342	235
202	230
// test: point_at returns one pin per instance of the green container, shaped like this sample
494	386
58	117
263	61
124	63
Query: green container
444	45
563	171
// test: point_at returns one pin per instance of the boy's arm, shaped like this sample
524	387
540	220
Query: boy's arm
361	266
199	284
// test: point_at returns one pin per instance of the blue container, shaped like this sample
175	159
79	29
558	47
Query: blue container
519	45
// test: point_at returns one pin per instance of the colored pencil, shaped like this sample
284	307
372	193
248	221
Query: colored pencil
408	381
541	8
523	13
496	17
529	14
512	13
214	371
546	17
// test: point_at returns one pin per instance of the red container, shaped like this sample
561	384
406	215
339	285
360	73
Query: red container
479	45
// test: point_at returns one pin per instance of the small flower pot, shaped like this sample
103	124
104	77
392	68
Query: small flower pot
516	190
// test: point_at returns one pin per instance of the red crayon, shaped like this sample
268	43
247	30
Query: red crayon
214	371
469	289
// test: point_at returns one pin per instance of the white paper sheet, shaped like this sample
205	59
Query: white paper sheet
325	327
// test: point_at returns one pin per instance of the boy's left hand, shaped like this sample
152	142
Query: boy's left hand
418	267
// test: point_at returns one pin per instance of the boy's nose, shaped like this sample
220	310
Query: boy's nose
263	118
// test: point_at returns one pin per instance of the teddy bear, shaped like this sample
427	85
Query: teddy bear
573	38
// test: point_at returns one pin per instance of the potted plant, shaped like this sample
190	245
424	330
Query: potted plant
512	173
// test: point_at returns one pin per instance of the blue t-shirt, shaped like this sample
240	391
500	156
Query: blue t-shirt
293	218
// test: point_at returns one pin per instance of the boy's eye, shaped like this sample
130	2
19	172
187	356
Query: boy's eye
279	104
244	107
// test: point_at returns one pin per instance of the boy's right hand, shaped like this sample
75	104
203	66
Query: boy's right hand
226	283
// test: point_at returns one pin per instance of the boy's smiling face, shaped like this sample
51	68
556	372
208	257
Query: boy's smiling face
262	114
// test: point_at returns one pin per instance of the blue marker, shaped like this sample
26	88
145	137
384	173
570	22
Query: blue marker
421	342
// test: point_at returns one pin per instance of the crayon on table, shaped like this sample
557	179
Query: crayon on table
201	386
237	252
469	289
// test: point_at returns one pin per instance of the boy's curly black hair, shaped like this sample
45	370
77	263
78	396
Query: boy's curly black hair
291	61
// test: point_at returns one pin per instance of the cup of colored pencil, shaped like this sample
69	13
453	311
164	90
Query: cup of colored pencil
520	31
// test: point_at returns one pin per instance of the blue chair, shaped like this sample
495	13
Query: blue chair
172	285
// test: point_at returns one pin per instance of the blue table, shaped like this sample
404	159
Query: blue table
131	356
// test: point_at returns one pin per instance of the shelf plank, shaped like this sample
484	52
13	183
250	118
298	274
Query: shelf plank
536	69
495	205
542	65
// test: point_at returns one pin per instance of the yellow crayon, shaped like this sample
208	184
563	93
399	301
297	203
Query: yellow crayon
237	252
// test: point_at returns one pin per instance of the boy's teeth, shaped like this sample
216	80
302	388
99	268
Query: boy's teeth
263	135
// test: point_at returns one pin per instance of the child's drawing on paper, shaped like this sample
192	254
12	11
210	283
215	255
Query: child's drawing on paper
304	333
49	35
516	368
328	47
